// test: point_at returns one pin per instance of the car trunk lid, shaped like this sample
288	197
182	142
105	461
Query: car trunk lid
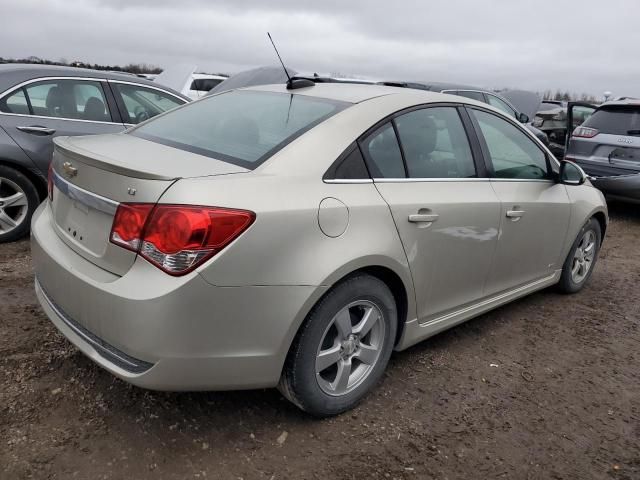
93	175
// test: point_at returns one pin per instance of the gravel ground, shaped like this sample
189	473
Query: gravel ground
545	388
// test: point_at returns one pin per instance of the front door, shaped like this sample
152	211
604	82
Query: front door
535	208
447	216
39	111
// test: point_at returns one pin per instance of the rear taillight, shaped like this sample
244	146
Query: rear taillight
177	238
585	132
50	182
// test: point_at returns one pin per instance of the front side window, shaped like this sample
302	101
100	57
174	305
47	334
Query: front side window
240	127
383	152
141	103
435	144
513	154
501	105
70	99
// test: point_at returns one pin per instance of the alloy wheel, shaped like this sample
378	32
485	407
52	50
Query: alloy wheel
583	257
14	206
350	347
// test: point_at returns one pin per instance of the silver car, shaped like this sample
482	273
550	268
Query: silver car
270	237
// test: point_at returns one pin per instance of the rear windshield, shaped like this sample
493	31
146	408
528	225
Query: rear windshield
240	127
616	121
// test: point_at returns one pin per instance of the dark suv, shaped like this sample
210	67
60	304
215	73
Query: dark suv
40	102
607	146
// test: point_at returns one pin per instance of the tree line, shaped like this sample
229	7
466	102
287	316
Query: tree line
568	96
135	68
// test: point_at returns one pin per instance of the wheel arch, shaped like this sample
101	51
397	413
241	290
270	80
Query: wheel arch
38	181
395	275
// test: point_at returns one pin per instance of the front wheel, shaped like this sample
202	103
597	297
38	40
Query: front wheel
582	258
342	348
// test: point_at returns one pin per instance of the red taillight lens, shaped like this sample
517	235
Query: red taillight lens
585	132
128	224
177	238
50	182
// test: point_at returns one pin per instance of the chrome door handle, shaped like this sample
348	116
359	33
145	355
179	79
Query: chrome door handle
37	130
515	214
423	217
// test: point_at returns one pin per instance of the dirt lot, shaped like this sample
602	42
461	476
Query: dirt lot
545	388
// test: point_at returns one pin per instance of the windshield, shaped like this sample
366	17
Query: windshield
240	127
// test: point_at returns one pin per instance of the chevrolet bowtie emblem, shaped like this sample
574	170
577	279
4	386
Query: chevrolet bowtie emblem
69	169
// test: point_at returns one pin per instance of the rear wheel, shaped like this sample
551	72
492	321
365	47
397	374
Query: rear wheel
582	258
18	200
342	348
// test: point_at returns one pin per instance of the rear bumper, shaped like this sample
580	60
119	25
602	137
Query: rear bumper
162	332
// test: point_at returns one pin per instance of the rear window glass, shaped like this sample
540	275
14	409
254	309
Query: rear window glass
616	121
240	127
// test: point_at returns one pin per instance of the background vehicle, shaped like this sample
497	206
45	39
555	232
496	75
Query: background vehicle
182	78
474	93
294	237
607	145
38	103
202	83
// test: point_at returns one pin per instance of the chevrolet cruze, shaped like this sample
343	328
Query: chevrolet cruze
271	236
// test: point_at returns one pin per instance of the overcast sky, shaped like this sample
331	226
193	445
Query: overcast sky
582	46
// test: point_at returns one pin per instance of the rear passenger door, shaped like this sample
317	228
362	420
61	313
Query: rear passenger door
446	212
35	113
535	208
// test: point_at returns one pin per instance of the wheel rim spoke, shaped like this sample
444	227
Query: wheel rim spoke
341	382
6	222
369	319
367	354
343	323
18	199
327	358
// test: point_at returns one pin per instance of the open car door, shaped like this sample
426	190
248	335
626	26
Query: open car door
577	114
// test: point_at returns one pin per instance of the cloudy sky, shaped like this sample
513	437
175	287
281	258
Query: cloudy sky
582	46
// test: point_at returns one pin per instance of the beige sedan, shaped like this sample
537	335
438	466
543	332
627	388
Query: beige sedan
296	237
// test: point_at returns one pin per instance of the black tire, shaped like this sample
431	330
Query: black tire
298	382
33	200
567	283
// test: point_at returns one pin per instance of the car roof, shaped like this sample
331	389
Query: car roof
12	74
435	86
356	93
621	103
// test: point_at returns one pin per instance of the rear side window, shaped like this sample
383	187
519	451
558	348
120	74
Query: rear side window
240	127
383	152
435	144
616	121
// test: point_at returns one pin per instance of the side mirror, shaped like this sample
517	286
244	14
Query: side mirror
523	117
572	174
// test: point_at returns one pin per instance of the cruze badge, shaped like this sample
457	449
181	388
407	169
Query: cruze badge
625	140
69	169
